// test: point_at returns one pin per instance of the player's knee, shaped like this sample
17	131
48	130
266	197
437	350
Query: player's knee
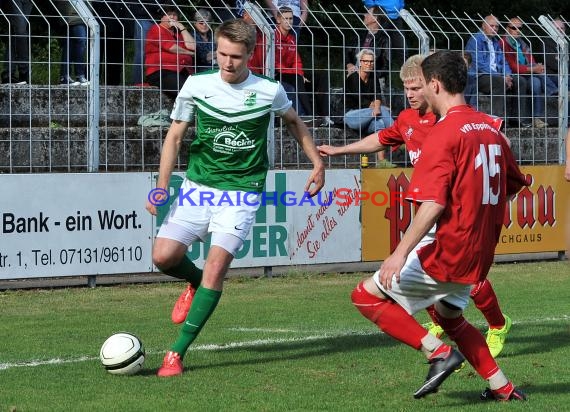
167	253
366	303
164	259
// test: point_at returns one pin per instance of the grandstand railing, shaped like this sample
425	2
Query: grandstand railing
47	127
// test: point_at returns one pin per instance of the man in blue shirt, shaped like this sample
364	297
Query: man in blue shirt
494	76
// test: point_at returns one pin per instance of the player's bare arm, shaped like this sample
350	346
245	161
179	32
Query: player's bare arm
299	131
168	156
272	8
304	11
369	144
427	215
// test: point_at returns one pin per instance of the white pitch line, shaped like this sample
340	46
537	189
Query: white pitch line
266	330
244	344
55	361
209	347
263	342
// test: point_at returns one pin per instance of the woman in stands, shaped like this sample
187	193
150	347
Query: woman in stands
365	111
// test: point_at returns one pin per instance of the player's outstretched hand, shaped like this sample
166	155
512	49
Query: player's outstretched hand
567	172
151	208
390	268
316	180
326	150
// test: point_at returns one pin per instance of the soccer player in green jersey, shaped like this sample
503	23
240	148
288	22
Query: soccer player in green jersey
231	109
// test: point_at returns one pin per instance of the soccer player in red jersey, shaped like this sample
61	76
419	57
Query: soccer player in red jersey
410	129
463	176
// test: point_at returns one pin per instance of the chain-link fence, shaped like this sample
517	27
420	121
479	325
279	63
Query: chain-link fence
75	97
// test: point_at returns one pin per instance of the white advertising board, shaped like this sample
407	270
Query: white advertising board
74	224
96	224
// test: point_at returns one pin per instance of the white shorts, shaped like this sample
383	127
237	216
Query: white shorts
208	210
417	290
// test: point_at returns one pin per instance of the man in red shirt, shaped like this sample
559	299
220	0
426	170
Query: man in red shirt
462	178
288	64
169	49
289	71
410	129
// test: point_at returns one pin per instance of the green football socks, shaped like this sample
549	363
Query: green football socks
187	270
203	304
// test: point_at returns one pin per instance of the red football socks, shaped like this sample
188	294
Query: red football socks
471	344
486	301
388	316
431	312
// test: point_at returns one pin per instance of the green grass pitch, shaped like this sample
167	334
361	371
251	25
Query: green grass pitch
291	343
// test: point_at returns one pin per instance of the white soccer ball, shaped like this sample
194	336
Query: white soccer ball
122	354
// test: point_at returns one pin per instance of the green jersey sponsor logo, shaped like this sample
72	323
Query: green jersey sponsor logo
250	98
229	142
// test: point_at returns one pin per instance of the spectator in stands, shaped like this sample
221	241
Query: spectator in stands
168	53
17	57
205	45
300	9
143	13
289	70
113	33
494	76
257	62
388	12
521	61
551	53
370	37
365	111
73	46
393	24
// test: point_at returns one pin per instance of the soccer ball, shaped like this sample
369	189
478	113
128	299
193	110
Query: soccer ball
122	354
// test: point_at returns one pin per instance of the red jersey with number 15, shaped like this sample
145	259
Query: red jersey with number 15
466	166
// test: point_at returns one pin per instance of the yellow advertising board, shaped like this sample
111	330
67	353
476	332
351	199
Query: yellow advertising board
535	220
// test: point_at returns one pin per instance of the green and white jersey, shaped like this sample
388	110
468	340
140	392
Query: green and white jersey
229	151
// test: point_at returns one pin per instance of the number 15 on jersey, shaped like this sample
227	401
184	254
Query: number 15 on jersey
487	160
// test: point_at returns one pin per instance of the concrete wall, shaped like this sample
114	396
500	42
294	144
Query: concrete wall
44	129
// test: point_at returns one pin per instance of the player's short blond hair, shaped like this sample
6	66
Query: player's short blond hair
237	31
412	68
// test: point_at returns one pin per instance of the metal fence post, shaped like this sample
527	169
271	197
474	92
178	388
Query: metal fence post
261	22
93	105
558	37
417	29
